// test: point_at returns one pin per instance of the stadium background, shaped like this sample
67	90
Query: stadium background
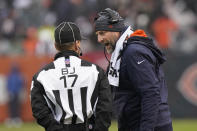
26	39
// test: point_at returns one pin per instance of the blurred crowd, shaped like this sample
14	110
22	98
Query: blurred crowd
26	26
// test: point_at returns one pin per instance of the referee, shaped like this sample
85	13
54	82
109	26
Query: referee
69	92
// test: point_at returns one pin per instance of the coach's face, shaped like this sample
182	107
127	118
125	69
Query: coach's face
108	39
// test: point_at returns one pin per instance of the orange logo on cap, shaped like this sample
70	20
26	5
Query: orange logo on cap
110	26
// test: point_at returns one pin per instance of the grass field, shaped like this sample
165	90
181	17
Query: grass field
178	125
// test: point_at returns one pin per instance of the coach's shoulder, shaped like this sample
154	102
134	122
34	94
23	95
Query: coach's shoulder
133	49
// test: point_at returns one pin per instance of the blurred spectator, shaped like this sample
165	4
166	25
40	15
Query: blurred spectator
45	41
63	10
182	14
179	12
15	83
29	44
8	29
17	16
22	4
5	46
163	28
3	90
187	41
192	4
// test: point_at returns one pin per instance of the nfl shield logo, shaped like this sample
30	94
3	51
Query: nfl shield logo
67	61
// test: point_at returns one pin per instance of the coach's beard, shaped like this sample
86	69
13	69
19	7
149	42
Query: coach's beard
109	47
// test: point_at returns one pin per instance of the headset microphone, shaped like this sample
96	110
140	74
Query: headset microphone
80	52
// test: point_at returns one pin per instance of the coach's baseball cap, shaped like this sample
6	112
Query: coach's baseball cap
67	32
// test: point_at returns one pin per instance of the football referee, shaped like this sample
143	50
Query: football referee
69	91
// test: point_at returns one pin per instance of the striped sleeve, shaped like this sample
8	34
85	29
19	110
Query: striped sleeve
41	112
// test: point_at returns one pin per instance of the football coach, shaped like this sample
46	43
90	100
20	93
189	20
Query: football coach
135	73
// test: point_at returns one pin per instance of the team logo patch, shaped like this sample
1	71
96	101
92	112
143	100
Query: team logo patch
110	26
67	61
90	126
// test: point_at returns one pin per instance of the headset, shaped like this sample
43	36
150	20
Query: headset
109	14
80	52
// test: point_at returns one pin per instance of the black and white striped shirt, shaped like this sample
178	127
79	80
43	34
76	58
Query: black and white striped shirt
69	91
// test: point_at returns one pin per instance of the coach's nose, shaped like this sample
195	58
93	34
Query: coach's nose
100	39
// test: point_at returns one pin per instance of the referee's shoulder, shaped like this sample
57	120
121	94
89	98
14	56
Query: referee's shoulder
44	68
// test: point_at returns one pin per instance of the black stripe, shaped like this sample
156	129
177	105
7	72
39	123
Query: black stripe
41	88
83	102
74	119
71	105
85	63
95	92
49	66
94	97
58	100
51	104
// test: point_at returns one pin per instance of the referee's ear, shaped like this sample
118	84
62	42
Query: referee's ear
78	43
77	46
56	46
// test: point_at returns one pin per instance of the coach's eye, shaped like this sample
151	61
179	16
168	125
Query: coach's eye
102	32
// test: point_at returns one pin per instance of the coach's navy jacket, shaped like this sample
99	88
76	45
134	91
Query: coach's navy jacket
141	99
